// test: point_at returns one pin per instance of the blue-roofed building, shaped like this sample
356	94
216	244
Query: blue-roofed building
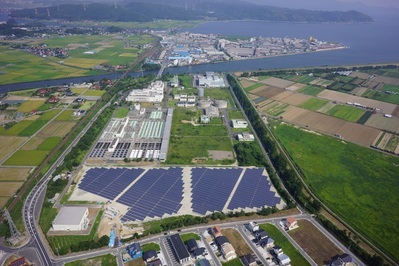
134	250
111	239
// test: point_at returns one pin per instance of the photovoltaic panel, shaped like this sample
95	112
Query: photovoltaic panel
211	188
108	182
157	192
253	191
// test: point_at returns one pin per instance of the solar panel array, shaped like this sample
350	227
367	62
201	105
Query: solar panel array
211	188
253	191
157	192
108	182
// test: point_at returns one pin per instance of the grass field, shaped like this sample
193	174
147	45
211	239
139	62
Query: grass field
348	113
313	104
149	246
49	143
188	236
314	242
26	158
234	262
199	138
109	260
288	248
94	93
121	112
30	105
311	90
360	184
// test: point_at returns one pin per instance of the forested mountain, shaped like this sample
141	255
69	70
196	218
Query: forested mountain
195	10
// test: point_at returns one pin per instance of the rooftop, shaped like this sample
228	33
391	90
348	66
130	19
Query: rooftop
179	246
70	215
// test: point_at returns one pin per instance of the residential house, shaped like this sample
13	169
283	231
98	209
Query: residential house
228	251
191	245
283	260
342	260
291	223
134	250
267	243
150	255
216	231
221	240
277	250
248	260
260	234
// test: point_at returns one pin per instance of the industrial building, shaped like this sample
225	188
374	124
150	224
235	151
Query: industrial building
71	219
210	80
239	123
179	249
153	93
142	134
245	136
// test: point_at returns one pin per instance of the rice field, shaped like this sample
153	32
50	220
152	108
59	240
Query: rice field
26	158
313	104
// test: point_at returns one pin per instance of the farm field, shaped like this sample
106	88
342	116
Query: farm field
347	113
14	174
26	158
314	242
21	66
357	133
360	184
30	105
94	93
9	144
56	129
313	104
387	108
16	129
293	99
49	143
279	239
3	201
277	82
379	121
267	92
8	189
33	143
381	96
65	115
311	90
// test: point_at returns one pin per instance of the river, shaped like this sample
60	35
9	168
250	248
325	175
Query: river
368	43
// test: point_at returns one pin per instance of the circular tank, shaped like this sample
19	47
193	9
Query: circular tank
204	104
220	104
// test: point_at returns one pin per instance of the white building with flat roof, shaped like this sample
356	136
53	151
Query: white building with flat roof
211	80
239	123
71	219
153	93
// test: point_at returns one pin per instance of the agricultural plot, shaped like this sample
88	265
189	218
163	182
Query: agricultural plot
294	99
313	104
49	143
359	134
31	104
16	129
347	113
33	128
382	96
26	158
65	115
14	174
296	86
314	243
78	91
344	98
33	143
254	86
384	123
311	90
326	108
267	92
24	67
245	83
8	144
94	93
360	184
277	82
359	91
321	82
302	79
56	129
3	201
276	108
8	189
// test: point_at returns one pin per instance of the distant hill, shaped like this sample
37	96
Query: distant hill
178	10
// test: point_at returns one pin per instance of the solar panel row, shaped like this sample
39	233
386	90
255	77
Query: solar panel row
211	188
159	191
109	182
253	191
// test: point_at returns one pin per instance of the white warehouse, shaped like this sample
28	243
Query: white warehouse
153	93
71	219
